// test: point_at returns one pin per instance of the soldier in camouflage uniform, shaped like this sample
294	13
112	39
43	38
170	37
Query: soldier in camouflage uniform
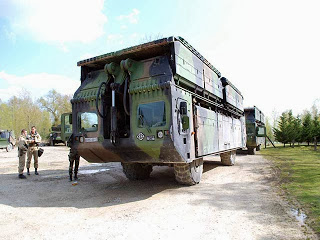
33	150
22	150
73	158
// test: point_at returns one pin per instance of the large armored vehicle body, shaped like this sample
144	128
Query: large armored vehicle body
256	130
159	103
7	140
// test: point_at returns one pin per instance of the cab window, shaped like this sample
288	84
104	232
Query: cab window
261	131
87	122
152	114
68	126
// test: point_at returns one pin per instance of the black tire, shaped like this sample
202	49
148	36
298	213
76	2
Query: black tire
258	148
136	171
228	158
51	142
188	173
9	147
251	151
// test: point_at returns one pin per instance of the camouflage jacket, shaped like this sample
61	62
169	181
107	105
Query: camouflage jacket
36	138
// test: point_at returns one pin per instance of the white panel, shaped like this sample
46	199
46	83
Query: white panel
207	131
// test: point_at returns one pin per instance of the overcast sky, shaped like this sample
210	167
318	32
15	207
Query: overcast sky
270	50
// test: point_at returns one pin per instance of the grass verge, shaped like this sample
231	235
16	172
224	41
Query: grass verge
299	170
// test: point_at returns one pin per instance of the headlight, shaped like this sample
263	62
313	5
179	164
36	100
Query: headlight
50	134
81	139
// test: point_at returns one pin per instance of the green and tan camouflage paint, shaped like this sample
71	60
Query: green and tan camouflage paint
167	70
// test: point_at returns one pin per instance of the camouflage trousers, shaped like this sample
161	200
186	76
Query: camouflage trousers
22	162
73	158
32	152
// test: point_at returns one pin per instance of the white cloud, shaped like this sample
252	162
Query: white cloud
38	84
132	17
56	21
270	51
10	35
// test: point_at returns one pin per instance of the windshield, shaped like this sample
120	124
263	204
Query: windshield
260	131
87	122
4	135
68	126
152	114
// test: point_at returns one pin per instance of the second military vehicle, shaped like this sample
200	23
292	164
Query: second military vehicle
7	140
58	136
256	130
158	103
55	136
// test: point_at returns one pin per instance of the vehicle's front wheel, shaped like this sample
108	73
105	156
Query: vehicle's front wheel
189	173
9	147
228	158
137	171
51	142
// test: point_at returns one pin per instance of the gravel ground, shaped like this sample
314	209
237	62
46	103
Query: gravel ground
239	202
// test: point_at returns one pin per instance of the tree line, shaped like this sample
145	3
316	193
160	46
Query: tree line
298	129
23	112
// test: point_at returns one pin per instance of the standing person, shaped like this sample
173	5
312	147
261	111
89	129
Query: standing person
33	150
73	158
22	150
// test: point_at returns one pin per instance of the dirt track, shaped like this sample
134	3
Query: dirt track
238	202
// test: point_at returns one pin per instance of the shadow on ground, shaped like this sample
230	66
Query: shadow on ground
98	185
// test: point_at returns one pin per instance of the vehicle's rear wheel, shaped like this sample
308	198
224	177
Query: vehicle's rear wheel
258	148
137	171
251	151
9	147
228	158
189	173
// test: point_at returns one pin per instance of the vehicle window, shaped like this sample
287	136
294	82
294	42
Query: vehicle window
261	131
88	122
152	114
4	135
68	127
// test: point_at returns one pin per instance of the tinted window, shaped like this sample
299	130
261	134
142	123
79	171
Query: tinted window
152	114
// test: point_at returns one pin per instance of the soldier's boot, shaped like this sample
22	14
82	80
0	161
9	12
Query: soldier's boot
76	167
36	171
28	172
70	167
21	176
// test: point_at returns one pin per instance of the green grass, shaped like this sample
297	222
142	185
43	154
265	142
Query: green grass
299	170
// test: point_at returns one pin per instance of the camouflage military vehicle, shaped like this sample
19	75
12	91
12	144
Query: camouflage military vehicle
158	103
256	130
58	136
7	140
55	135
